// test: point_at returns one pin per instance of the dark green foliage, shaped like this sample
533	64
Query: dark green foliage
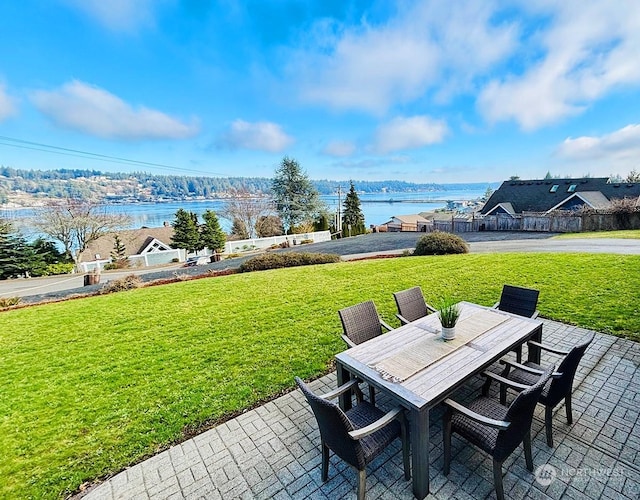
352	217
211	234
119	254
440	243
17	257
296	198
186	234
290	259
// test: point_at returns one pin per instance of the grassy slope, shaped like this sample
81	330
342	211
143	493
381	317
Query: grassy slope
631	234
92	385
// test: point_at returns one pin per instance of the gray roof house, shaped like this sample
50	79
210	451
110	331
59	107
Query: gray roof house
542	196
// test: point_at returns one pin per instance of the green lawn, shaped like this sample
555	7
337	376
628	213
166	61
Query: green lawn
630	234
90	386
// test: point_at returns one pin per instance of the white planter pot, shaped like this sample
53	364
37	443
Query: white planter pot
448	333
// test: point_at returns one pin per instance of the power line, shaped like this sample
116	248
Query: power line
47	148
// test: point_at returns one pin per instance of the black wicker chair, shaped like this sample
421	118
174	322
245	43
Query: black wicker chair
358	435
558	388
411	305
520	301
361	323
494	428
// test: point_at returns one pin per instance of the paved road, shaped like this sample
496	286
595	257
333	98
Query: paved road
39	289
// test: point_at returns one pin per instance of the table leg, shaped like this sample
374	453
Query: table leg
343	377
534	352
420	452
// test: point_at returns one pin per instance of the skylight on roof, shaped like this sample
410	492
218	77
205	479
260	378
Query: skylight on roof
572	188
554	188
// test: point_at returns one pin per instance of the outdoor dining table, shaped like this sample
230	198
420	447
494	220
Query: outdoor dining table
416	369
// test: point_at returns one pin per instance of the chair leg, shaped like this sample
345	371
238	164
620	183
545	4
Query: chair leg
446	440
567	407
362	483
528	457
372	395
497	479
325	462
486	386
503	394
404	436
548	425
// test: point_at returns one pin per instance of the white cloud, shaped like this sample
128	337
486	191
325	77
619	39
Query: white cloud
339	148
434	45
409	133
8	105
620	149
118	15
260	136
588	49
92	110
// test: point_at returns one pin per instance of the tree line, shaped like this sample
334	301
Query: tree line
97	185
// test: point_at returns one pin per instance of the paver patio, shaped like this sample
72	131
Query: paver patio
273	451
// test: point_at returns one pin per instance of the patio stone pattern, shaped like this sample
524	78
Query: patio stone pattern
273	451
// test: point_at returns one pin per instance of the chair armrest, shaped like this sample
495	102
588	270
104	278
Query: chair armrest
489	422
535	314
385	325
348	341
402	319
554	350
495	306
340	390
430	308
506	381
522	367
377	425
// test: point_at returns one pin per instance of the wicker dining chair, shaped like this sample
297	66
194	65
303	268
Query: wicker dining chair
520	301
357	435
557	389
496	429
360	323
411	305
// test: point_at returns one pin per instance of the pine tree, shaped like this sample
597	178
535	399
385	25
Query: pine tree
211	234
297	200
119	253
186	234
17	257
352	217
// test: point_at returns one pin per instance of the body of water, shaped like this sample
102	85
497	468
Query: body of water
377	208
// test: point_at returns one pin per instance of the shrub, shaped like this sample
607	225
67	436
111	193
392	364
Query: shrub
440	243
305	242
9	301
293	259
59	268
127	283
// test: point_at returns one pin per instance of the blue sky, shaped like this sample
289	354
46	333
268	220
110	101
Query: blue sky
433	91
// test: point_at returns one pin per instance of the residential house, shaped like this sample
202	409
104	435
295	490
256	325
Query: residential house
543	196
143	247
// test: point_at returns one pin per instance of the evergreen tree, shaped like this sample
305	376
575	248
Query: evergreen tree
352	216
239	229
297	200
17	257
211	234
119	253
186	234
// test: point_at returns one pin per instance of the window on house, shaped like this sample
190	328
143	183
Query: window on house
554	188
572	188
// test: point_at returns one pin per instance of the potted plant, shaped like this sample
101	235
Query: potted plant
449	313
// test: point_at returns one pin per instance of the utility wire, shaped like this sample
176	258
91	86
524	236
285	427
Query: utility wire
36	146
